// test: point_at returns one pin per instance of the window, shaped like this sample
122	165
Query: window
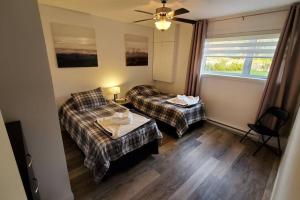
245	56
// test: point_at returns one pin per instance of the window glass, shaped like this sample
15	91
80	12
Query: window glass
260	66
224	64
246	56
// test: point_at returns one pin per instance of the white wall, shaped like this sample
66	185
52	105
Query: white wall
287	182
27	95
255	24
228	100
111	54
234	101
11	186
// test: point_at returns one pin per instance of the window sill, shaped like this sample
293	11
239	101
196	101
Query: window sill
235	78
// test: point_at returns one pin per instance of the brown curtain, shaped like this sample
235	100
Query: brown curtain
197	45
283	84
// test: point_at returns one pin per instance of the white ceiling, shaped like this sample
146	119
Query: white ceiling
122	10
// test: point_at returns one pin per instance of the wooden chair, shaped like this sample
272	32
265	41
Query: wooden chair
259	127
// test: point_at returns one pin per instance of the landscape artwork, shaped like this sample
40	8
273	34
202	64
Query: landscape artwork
136	50
75	46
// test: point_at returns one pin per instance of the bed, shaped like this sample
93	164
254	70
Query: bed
98	148
152	102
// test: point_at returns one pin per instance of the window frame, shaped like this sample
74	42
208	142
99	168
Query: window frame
246	72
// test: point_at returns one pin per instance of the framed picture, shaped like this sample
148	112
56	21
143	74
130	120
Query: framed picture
136	48
75	46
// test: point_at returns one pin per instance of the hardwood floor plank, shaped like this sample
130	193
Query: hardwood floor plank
181	168
108	185
207	163
232	153
207	190
195	180
77	171
271	180
245	180
131	187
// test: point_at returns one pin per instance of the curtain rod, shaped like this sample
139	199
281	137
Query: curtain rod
245	33
249	15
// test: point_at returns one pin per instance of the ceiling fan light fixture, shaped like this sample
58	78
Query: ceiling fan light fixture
162	25
164	15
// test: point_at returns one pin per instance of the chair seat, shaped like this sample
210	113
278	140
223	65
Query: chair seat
263	130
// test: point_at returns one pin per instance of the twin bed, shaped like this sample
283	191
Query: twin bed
152	102
98	148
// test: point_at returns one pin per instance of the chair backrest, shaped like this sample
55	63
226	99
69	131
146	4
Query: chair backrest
281	115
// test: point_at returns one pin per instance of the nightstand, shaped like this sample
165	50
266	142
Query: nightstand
125	103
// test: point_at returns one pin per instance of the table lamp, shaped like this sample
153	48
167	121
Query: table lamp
115	91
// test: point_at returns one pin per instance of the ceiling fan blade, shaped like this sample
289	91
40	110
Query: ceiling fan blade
189	21
180	11
141	11
142	20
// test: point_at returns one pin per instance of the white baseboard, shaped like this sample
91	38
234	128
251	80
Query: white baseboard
240	132
234	130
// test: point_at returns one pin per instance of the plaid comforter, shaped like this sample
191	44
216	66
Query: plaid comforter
98	148
156	106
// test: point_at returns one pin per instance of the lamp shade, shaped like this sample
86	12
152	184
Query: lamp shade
162	25
114	90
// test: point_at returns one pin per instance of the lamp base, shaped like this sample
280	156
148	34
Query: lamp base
115	97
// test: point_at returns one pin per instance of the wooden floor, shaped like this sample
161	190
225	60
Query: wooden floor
206	163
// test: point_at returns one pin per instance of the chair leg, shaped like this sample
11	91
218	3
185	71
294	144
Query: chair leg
279	147
263	144
245	135
262	138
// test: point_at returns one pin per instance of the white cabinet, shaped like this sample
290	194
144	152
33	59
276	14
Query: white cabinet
166	36
164	54
163	61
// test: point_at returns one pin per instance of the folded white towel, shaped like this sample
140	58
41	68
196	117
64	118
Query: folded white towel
118	118
183	100
121	115
188	99
118	130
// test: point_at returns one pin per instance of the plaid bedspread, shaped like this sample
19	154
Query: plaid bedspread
157	107
98	148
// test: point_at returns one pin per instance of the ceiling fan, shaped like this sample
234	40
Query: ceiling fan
164	15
